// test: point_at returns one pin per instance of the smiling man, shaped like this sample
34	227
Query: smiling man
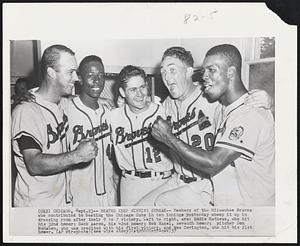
144	163
39	136
244	143
92	183
191	116
192	122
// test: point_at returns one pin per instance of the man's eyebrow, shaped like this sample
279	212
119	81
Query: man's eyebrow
73	69
96	72
168	65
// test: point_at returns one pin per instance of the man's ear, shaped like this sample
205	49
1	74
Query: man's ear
80	80
189	71
231	71
51	72
122	92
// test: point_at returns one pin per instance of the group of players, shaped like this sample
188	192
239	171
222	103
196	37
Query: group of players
208	144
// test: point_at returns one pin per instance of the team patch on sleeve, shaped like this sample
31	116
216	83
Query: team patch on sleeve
236	133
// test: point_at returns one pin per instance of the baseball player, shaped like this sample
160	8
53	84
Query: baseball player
144	162
21	87
242	144
92	184
193	122
39	136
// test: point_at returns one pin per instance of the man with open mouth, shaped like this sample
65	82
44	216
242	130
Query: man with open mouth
241	160
192	124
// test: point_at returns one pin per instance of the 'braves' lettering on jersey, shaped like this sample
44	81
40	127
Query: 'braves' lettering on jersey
202	122
135	148
46	124
79	133
57	133
91	181
141	134
193	122
186	119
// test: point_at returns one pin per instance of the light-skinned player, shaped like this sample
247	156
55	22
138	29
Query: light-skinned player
244	137
192	120
39	136
144	163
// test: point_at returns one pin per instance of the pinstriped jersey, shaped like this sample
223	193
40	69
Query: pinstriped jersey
192	122
135	148
46	124
249	131
89	181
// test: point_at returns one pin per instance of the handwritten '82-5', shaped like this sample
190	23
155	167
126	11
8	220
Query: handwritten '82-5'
189	18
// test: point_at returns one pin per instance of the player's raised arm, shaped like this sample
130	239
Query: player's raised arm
41	164
209	162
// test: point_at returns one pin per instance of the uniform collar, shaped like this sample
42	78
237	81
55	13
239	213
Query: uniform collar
78	101
198	91
237	103
194	94
40	100
151	108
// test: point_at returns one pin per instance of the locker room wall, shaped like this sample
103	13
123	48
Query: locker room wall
24	58
144	53
115	54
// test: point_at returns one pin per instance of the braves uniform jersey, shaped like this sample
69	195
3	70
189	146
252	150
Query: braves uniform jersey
135	148
92	184
138	153
249	131
43	125
192	122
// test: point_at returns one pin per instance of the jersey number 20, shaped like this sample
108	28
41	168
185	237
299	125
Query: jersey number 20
208	141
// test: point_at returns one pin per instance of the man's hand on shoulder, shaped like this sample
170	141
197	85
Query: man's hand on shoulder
259	99
106	102
27	97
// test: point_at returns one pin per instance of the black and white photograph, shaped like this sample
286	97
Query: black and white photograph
158	133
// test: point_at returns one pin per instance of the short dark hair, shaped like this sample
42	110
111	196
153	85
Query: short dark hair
230	53
51	56
128	72
19	81
86	60
180	53
22	80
